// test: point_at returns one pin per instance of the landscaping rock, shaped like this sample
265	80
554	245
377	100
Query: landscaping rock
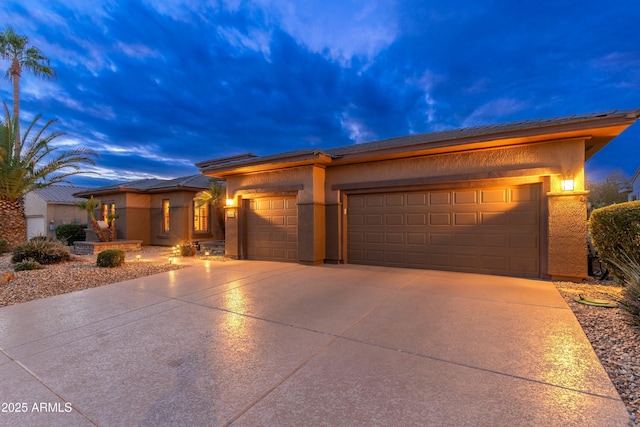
5	276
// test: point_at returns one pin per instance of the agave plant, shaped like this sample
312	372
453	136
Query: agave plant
631	280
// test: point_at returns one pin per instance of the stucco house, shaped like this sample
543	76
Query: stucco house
633	189
46	208
504	199
157	211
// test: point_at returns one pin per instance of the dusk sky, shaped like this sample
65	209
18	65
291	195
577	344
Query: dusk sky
155	86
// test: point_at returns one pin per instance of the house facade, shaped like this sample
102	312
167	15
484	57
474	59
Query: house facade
505	199
159	212
46	208
634	187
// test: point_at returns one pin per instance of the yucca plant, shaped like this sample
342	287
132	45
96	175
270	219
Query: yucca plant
630	269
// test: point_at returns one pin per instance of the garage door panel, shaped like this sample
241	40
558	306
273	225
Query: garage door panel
488	230
394	219
465	218
465	197
440	219
272	228
493	196
416	238
441	198
374	219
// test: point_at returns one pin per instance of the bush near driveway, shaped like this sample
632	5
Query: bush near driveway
110	258
615	230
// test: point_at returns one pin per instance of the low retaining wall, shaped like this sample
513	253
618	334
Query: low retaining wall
90	248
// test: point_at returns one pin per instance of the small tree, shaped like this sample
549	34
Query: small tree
213	196
607	192
112	226
90	205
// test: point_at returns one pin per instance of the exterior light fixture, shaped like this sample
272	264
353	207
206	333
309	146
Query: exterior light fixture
567	185
138	257
206	253
230	202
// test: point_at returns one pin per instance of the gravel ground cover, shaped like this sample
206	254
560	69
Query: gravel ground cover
79	273
613	337
615	340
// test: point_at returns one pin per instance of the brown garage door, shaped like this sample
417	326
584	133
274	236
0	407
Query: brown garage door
483	230
272	229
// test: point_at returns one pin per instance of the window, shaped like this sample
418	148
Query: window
108	209
200	218
165	216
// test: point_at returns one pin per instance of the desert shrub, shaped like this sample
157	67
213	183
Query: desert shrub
4	246
28	265
615	229
110	258
42	250
71	233
630	270
188	250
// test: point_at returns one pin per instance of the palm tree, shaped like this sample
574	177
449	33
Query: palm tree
36	165
16	49
90	205
213	196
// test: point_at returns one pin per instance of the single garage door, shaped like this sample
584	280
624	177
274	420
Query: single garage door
272	229
483	230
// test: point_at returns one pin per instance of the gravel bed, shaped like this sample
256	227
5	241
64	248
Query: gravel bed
613	337
615	340
79	273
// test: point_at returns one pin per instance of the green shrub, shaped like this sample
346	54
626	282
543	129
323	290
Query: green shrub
28	265
630	270
188	250
42	250
110	258
71	233
615	229
4	246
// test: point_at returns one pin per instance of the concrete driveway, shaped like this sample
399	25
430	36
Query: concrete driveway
258	343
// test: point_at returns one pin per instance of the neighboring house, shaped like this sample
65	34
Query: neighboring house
633	189
46	208
159	212
503	199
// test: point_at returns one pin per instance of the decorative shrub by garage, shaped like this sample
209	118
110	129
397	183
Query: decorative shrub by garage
70	233
110	258
615	230
27	265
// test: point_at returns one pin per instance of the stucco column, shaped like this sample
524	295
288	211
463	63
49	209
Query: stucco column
232	232
567	255
311	218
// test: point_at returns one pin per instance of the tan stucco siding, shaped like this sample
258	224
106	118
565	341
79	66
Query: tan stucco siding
565	156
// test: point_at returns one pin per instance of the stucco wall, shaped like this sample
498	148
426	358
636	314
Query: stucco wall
566	156
556	160
307	183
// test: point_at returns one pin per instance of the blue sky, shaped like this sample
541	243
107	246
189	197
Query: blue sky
155	86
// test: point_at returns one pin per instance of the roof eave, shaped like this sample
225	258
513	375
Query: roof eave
259	165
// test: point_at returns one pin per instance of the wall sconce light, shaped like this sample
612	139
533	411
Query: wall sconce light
567	185
230	202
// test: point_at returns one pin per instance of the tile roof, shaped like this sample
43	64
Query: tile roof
151	185
60	194
478	131
435	139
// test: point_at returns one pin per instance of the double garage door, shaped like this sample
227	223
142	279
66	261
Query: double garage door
483	230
